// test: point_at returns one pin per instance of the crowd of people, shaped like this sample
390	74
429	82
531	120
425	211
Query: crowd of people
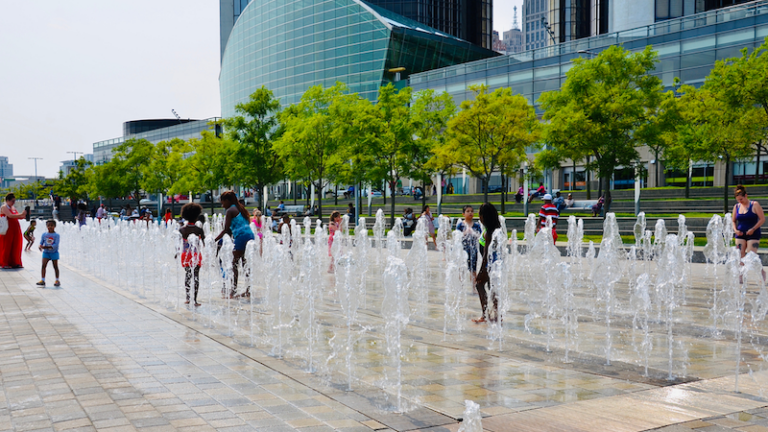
478	235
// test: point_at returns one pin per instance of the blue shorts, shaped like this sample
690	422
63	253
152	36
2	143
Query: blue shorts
242	240
53	256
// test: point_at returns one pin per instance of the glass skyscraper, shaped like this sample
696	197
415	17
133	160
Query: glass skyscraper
471	20
291	45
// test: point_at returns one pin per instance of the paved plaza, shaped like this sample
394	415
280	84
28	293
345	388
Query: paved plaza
95	356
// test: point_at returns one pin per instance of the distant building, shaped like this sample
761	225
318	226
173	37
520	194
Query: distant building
534	11
6	169
67	165
513	38
154	131
498	44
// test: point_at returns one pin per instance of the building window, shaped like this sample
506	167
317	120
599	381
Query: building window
667	9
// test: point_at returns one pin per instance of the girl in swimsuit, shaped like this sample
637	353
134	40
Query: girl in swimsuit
748	217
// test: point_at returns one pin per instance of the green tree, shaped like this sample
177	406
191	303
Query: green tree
165	168
490	132
356	161
741	83
254	131
604	110
102	182
308	147
127	169
710	130
430	112
209	167
76	183
386	135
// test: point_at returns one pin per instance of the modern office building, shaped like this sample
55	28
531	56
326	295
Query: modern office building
534	32
154	131
290	45
687	47
6	169
513	41
229	12
470	20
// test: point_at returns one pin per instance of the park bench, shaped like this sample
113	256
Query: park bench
293	210
580	206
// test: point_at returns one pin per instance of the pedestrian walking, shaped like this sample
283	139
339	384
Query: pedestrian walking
49	244
191	259
471	231
236	224
747	218
489	217
29	235
10	236
548	209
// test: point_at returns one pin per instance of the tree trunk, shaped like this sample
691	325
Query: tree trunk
725	184
587	175
211	195
336	195
392	215
503	210
424	195
608	198
173	209
757	165
688	174
295	186
384	193
599	187
658	165
320	200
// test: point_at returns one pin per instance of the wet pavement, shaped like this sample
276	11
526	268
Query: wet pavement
95	356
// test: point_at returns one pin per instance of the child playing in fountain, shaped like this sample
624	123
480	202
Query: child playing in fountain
29	235
191	260
49	244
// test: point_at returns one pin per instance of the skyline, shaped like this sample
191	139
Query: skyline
83	68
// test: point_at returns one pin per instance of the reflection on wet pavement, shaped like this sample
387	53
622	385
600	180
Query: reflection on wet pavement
93	355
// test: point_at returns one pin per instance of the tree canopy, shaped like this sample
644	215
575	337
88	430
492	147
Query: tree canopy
489	132
604	110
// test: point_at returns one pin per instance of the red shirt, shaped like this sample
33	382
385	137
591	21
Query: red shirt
549	209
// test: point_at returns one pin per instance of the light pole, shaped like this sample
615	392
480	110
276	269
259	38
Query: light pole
525	187
396	71
546	26
36	180
588	52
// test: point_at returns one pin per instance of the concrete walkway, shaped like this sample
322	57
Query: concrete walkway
89	356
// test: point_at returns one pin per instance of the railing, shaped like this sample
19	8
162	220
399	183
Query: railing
664	27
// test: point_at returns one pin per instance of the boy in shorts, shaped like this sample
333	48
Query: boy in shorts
49	244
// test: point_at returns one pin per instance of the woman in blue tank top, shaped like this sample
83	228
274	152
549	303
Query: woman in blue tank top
748	217
236	225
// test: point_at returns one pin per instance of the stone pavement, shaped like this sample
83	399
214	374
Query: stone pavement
90	356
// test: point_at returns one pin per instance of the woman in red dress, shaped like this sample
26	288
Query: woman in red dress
10	243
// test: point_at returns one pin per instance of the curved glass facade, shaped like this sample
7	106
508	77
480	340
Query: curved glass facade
291	45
